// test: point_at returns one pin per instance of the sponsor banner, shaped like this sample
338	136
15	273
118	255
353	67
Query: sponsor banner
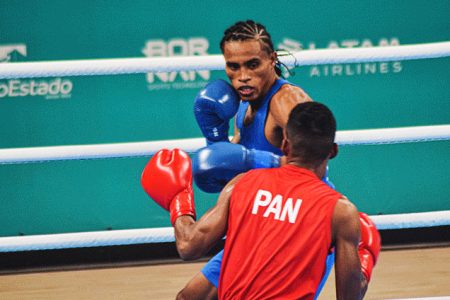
290	45
57	88
50	89
177	47
159	106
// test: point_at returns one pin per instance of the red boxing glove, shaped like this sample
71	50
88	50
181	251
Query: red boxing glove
369	246
167	179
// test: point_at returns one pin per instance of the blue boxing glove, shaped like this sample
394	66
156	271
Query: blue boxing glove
213	166
214	106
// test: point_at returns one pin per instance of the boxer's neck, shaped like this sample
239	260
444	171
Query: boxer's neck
319	170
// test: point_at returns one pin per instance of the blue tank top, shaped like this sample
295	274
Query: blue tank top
252	135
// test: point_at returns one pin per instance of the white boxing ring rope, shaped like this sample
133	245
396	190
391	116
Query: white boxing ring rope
216	62
136	149
212	62
166	234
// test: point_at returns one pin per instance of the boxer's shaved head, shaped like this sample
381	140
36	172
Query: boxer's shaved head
311	130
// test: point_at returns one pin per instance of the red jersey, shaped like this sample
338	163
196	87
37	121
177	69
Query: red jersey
279	235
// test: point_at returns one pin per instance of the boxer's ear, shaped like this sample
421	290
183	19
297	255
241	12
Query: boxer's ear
274	58
334	151
285	144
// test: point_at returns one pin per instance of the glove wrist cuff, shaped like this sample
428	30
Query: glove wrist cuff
367	262
262	159
182	204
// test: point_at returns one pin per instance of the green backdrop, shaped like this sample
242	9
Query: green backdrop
89	195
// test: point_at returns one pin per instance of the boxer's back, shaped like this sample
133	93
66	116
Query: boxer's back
279	223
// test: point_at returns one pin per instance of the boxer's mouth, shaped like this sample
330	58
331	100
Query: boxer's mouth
246	91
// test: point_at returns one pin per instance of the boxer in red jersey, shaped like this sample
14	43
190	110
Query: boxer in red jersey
280	223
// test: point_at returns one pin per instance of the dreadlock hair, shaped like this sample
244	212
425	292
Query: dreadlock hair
250	30
311	129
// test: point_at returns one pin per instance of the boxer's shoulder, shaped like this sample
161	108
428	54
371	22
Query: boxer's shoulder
284	101
290	93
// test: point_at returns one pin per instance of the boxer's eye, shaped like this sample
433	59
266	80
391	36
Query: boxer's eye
233	66
253	64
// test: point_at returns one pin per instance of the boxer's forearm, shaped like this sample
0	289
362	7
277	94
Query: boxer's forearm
364	286
194	239
188	244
